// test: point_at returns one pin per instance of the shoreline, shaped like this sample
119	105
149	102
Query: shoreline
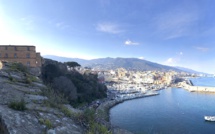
103	110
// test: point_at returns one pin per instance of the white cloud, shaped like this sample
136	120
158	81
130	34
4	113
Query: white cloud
128	42
203	49
181	53
142	58
108	27
170	60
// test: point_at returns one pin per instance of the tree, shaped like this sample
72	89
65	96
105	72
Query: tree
73	64
49	72
65	86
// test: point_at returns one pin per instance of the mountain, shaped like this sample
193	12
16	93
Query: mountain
189	70
129	64
113	63
65	59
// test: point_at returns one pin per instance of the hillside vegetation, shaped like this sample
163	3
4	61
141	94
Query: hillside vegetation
75	87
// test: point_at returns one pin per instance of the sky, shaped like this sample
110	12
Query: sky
169	32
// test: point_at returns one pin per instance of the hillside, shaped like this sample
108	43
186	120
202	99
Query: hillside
113	63
27	106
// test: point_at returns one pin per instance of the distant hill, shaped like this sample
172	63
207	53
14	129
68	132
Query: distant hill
189	70
113	63
65	59
127	63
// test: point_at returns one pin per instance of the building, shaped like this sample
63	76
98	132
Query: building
26	55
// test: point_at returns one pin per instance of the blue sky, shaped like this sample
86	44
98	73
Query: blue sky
170	32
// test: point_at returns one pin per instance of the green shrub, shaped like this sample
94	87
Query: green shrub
54	98
19	67
46	122
66	111
20	105
96	128
12	79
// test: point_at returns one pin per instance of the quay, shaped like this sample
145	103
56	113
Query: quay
187	84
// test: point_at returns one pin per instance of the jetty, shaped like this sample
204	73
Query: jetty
188	85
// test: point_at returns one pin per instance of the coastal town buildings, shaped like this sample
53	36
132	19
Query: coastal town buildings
26	55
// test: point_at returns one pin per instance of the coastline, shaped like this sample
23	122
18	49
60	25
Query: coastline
104	108
102	111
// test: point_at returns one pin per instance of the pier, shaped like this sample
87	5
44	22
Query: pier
187	84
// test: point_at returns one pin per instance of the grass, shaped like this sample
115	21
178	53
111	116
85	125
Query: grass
54	99
19	67
66	111
46	122
96	128
20	105
93	127
30	78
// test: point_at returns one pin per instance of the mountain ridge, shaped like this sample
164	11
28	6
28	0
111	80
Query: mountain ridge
127	63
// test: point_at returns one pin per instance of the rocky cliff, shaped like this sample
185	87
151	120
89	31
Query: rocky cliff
25	108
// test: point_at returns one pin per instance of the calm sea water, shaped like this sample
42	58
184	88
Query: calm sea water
174	111
204	81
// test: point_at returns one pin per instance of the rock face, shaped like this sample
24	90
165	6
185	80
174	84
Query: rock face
37	118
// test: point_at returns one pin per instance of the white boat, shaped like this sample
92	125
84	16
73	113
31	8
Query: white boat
210	118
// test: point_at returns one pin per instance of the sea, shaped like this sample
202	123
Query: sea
173	111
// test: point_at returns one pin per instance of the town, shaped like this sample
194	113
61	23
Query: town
125	84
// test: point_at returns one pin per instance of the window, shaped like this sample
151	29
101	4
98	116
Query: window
15	55
28	48
15	48
28	63
5	48
27	55
6	55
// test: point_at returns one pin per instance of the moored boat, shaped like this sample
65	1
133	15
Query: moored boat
209	118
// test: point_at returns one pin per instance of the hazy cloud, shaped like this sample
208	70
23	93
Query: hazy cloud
128	42
104	3
203	49
28	22
62	25
176	23
108	27
142	58
181	53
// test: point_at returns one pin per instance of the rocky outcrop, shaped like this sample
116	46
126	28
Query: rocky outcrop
38	118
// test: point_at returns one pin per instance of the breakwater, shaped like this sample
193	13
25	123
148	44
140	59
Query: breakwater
102	111
187	84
